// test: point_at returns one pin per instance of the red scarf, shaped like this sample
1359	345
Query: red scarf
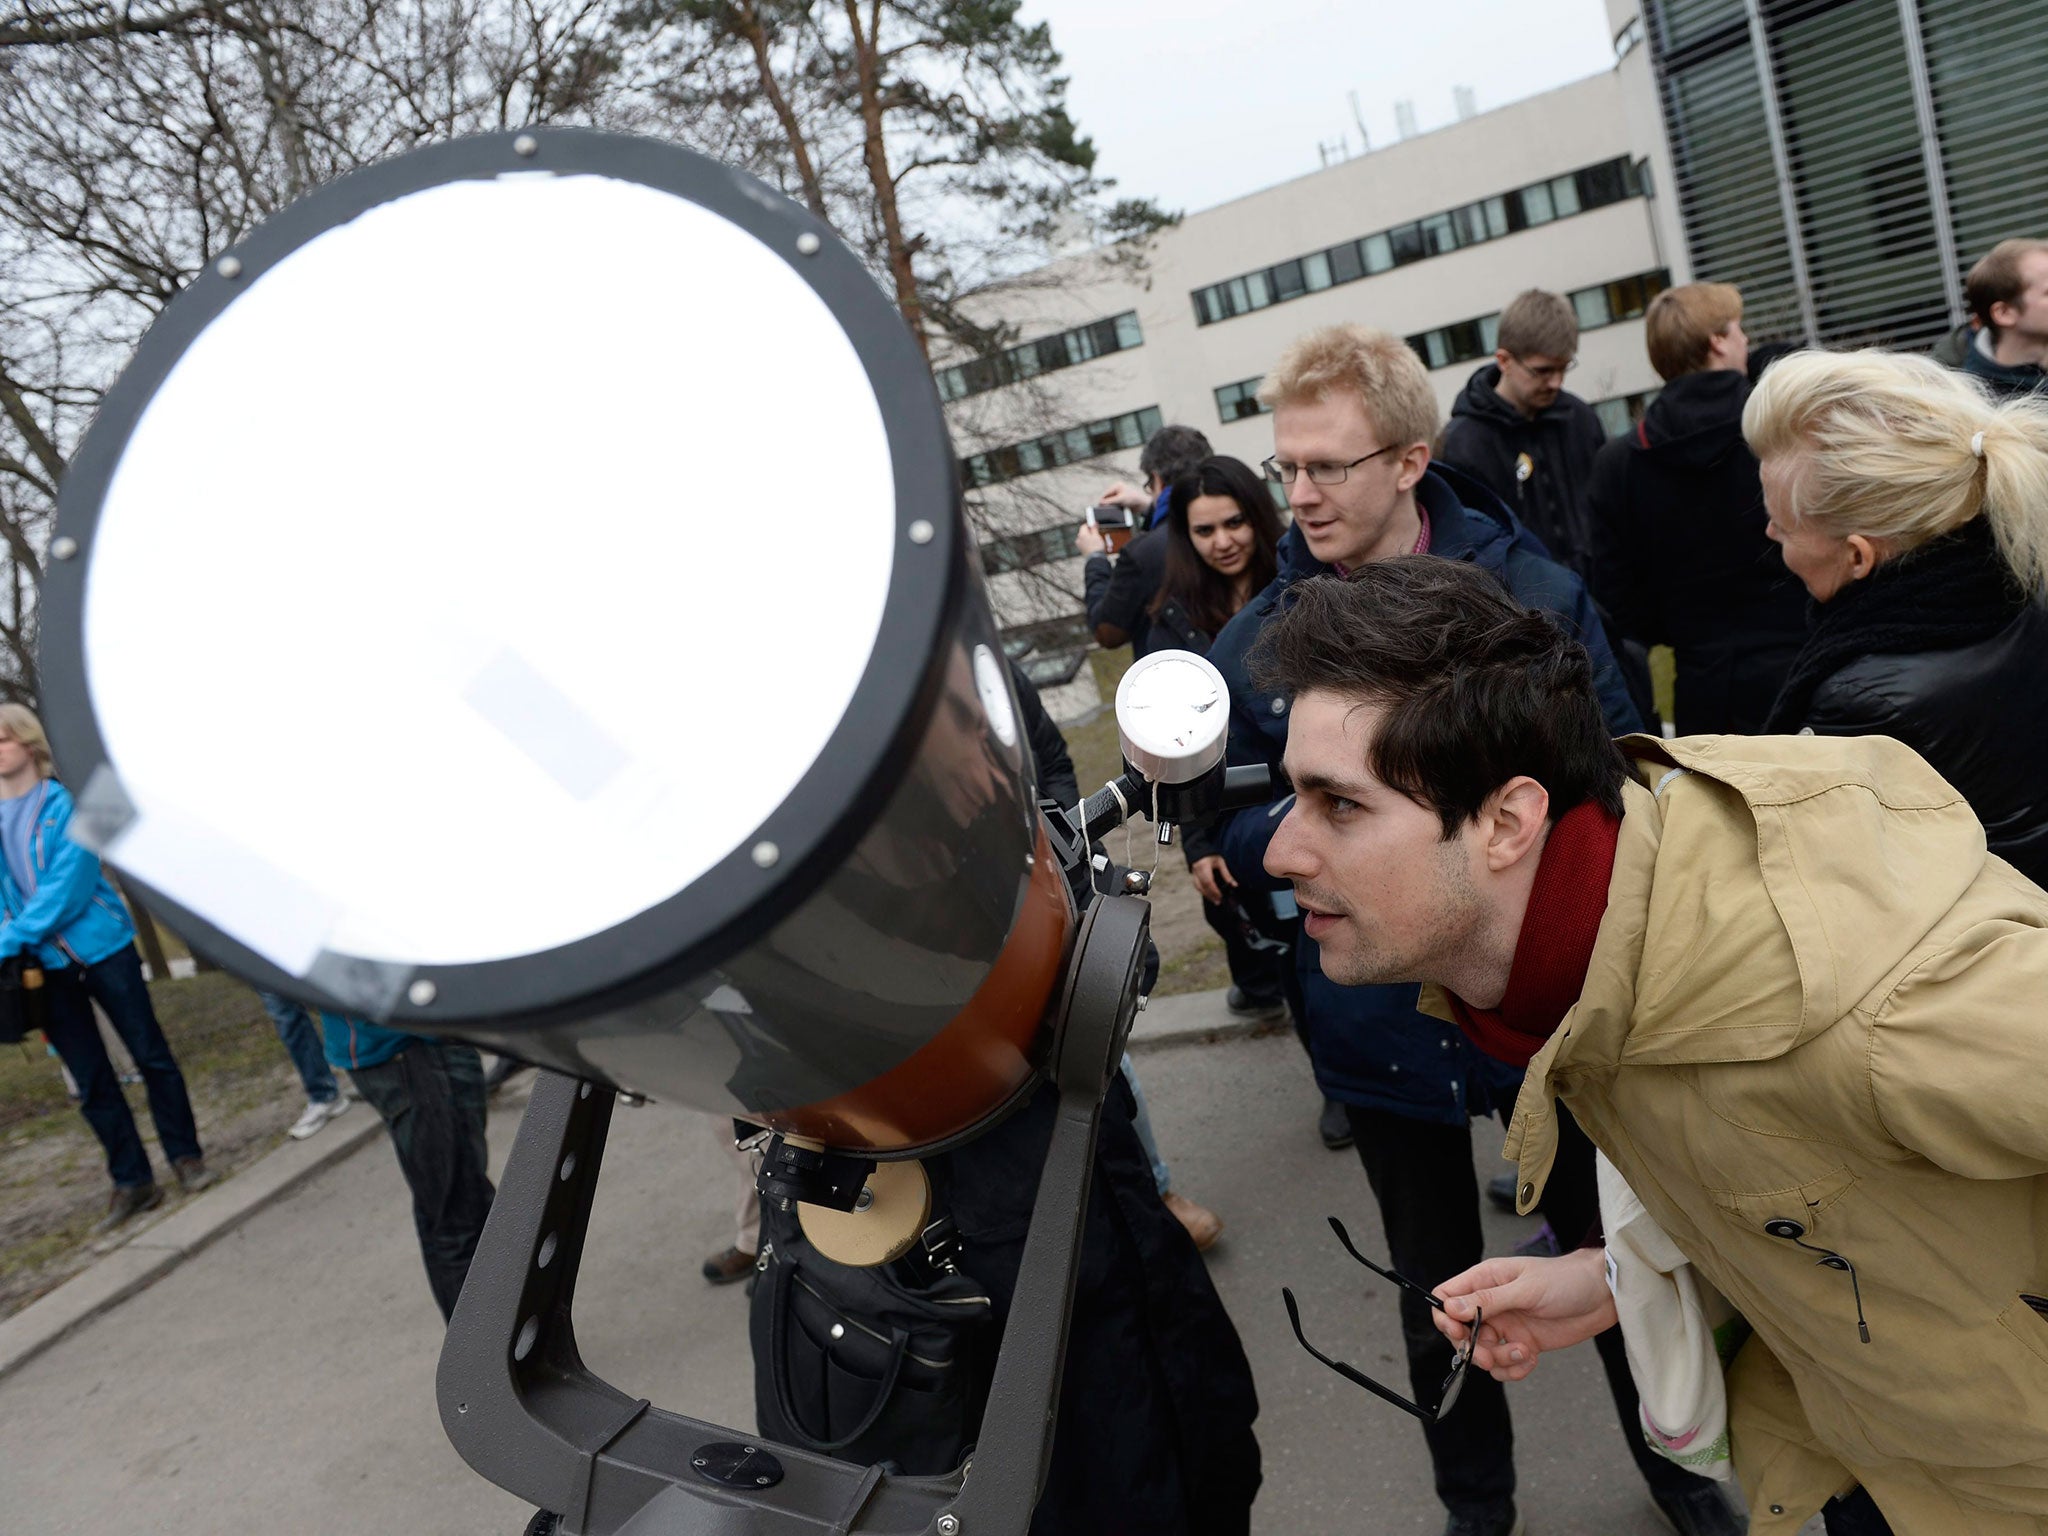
1556	943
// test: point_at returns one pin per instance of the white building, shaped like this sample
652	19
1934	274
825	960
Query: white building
1427	238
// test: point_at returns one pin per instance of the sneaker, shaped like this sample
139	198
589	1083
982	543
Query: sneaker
194	1175
726	1267
1334	1126
1543	1245
1246	1006
1700	1511
1504	1521
1203	1225
317	1114
128	1200
1500	1189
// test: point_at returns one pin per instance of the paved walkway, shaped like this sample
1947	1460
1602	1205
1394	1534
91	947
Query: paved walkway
280	1377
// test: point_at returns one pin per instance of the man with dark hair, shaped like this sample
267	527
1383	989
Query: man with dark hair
1781	985
1680	557
1353	415
1117	596
1519	432
2008	297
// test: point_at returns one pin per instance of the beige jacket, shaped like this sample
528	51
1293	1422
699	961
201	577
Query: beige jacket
1815	998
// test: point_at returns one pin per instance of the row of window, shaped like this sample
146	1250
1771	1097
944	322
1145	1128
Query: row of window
1028	359
1088	441
1595	186
1603	304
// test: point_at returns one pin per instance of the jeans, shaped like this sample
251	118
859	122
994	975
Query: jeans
431	1098
116	984
1421	1173
301	1037
1141	1118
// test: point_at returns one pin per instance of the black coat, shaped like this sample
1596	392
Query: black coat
1680	557
1539	467
1118	591
1157	1402
1940	650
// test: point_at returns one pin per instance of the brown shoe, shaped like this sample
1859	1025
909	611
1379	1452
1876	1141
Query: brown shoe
194	1175
127	1200
1203	1225
724	1268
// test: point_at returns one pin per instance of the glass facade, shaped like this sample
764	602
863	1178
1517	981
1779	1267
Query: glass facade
1859	95
1439	234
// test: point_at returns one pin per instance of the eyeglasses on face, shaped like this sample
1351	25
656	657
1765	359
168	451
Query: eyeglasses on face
1550	373
1461	1356
1321	474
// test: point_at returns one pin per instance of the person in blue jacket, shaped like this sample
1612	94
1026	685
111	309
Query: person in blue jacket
1353	416
61	911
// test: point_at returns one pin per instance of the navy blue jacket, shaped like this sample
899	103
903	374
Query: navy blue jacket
1369	1044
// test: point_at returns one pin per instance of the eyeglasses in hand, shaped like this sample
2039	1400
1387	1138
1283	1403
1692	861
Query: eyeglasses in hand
1461	1359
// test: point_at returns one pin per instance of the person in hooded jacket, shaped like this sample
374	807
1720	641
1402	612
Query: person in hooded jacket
1519	432
1680	557
1915	511
1353	416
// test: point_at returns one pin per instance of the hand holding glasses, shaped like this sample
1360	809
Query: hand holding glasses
1461	1357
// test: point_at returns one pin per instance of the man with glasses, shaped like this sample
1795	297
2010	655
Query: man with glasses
1353	415
1518	431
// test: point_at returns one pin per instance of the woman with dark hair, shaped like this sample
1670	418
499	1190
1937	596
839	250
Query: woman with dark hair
1221	531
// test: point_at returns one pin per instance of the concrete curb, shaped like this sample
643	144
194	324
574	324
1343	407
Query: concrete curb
158	1249
1195	1018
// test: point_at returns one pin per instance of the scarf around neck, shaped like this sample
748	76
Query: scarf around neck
1566	903
1950	592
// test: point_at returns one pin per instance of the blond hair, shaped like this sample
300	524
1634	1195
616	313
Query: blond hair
1539	324
1380	368
1902	450
1682	323
19	722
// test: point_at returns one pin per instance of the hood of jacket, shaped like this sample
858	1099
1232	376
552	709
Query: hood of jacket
1696	422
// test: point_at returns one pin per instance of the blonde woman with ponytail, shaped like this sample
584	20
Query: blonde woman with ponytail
1915	511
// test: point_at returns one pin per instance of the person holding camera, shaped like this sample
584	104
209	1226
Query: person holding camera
1118	595
61	911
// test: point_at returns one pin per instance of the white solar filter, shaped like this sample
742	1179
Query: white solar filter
530	536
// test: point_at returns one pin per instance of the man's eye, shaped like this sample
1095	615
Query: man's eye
1343	807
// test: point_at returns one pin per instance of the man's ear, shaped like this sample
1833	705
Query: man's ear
1414	460
1514	821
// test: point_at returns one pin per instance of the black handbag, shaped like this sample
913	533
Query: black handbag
24	1001
884	1364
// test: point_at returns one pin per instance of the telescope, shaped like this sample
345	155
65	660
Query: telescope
413	643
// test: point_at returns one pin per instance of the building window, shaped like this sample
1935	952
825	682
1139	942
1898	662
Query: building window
1622	412
1028	359
1624	299
1557	197
1236	401
1087	441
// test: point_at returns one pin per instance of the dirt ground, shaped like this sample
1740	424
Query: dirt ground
53	1175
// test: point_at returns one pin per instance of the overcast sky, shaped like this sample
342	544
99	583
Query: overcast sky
1207	100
